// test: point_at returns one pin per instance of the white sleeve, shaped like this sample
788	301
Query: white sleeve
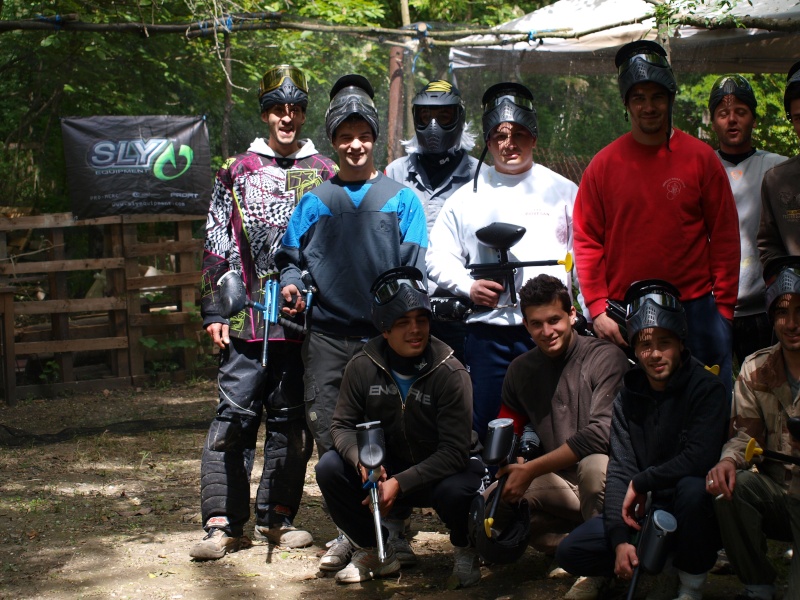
447	255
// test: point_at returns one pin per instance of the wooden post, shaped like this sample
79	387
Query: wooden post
58	291
393	147
9	356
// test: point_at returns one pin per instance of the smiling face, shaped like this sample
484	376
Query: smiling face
659	353
648	106
353	141
511	146
285	122
550	326
733	123
410	333
786	316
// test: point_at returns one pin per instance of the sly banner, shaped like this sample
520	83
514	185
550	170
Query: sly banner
137	165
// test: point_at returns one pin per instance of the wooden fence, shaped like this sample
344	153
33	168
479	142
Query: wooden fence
139	328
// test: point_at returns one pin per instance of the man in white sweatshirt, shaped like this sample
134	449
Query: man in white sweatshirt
518	191
732	105
254	195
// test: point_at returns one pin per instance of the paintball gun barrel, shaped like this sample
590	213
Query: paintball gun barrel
501	237
371	453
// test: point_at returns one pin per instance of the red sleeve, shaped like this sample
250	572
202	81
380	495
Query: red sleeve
519	419
589	231
722	223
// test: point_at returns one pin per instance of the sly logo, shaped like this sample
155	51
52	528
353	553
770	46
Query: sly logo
138	155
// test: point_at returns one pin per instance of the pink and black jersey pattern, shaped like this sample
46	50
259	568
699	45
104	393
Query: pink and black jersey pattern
254	197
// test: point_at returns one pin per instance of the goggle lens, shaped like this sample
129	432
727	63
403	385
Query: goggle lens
274	78
388	290
664	300
649	57
520	101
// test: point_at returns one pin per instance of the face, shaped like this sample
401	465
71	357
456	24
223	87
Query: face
550	326
659	353
648	106
794	112
511	146
410	333
285	122
733	123
787	322
353	141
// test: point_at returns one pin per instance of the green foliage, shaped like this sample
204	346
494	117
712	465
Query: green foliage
46	75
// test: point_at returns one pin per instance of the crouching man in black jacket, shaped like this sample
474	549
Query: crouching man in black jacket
667	429
422	397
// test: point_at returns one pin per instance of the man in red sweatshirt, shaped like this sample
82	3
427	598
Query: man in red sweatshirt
656	204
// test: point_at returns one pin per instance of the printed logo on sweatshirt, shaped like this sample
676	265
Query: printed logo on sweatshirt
674	187
736	174
415	394
383	390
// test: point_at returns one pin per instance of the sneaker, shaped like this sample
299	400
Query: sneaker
365	565
466	568
557	572
588	588
664	586
217	544
723	565
338	555
286	535
403	551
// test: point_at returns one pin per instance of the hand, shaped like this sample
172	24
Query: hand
219	333
365	473
626	561
633	507
486	292
388	491
721	479
519	480
606	328
294	299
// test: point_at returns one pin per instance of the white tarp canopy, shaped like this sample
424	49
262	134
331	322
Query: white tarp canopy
692	49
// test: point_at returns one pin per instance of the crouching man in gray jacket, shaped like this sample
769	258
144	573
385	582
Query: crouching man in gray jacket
422	396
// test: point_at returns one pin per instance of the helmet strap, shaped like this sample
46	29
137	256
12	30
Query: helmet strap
478	168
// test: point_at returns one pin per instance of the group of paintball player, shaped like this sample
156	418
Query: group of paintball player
403	322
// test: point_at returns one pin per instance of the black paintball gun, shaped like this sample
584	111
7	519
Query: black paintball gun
498	451
233	299
652	547
617	312
753	449
371	453
501	237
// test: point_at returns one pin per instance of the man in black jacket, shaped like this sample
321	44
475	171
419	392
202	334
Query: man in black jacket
667	429
422	397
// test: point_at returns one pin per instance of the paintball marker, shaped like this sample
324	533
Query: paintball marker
752	449
371	452
499	450
652	547
501	237
233	299
617	312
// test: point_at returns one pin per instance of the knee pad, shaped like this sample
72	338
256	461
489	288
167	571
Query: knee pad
225	435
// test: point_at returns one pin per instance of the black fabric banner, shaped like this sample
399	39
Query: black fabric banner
137	165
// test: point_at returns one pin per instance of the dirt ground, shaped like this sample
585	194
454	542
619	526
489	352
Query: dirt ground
112	513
